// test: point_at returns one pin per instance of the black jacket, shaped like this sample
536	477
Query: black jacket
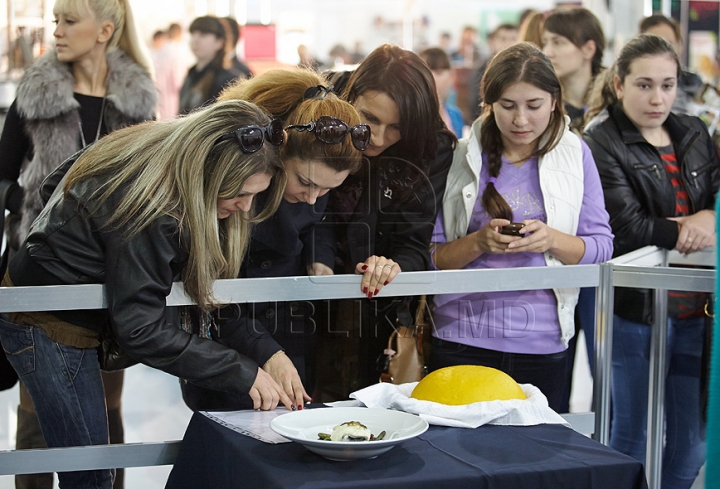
639	195
389	208
68	245
281	246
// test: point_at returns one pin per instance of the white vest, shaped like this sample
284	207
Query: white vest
562	186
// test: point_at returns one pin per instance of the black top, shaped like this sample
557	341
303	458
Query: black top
203	87
15	144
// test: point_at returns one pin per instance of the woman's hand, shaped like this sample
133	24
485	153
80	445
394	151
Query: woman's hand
266	393
489	239
540	238
377	272
282	370
317	268
696	231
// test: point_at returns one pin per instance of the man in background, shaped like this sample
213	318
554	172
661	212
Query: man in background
503	36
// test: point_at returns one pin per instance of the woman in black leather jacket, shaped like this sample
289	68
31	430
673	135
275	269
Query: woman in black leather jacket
143	207
660	176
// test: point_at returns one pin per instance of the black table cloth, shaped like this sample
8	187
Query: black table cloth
492	457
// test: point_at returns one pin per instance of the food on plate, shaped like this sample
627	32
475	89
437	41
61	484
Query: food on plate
465	384
351	431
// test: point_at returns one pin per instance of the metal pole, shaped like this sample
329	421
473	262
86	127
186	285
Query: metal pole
656	390
604	297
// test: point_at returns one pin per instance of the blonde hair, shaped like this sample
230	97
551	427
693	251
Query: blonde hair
118	12
177	168
281	92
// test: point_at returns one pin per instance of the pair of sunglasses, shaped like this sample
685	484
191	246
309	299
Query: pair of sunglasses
251	138
332	130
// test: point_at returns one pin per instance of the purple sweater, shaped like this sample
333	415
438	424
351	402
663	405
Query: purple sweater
519	321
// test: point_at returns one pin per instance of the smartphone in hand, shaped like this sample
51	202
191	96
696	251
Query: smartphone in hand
513	229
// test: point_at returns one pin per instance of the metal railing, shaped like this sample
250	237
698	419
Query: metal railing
645	268
68	297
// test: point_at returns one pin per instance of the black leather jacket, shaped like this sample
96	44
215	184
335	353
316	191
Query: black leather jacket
639	195
68	245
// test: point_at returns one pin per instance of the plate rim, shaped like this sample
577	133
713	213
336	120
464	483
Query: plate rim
362	446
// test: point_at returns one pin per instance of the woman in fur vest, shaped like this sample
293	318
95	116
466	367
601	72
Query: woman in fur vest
95	81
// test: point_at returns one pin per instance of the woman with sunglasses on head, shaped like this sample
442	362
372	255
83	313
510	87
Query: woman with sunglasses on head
142	208
96	80
520	165
384	213
324	139
660	175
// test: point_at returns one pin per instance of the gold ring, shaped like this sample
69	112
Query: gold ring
689	239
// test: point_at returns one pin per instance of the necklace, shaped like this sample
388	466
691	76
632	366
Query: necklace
97	134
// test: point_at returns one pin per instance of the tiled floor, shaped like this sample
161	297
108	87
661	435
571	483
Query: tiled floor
154	411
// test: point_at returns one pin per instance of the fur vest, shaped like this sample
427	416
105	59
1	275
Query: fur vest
51	118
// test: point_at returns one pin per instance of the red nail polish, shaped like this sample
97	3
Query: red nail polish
386	282
364	267
377	291
365	290
299	407
370	295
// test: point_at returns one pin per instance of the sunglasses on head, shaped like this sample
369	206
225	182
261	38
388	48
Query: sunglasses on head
251	138
332	130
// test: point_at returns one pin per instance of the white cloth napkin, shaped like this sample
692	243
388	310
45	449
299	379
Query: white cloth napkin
532	411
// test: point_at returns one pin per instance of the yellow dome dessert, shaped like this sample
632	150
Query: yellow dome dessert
465	384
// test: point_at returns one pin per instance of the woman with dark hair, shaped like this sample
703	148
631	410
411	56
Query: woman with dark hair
520	165
206	79
574	42
660	175
384	213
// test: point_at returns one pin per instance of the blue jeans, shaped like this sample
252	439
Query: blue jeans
66	388
543	371
684	451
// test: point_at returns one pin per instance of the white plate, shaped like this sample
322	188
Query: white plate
303	427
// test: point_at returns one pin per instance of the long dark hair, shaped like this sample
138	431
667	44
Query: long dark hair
579	25
522	62
404	77
211	25
643	45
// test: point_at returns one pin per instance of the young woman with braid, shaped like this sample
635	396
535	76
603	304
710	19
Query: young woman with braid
520	164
